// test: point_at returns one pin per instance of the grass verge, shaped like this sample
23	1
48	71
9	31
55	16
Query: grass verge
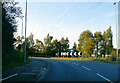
106	60
14	64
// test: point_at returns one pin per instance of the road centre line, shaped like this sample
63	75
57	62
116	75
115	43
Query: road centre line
9	76
86	68
104	78
75	63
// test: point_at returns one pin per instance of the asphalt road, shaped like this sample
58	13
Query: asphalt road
83	71
28	72
62	70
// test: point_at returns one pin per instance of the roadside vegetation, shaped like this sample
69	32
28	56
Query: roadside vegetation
106	60
11	57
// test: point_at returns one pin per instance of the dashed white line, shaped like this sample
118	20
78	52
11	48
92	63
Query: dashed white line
104	78
29	73
9	76
74	63
68	61
77	64
86	68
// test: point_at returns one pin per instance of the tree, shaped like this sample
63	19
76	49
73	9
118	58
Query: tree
31	40
54	48
39	46
107	41
86	43
64	44
59	48
30	47
18	43
54	44
74	46
48	45
10	11
9	24
97	41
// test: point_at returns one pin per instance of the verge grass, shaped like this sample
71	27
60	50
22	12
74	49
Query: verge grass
106	60
14	64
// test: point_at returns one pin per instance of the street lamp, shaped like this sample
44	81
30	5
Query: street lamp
22	26
25	34
116	30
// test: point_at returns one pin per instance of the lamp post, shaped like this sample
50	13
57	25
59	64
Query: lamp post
116	30
22	26
25	33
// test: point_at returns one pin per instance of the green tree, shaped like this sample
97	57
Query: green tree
47	40
98	42
39	46
54	48
9	24
48	45
31	40
54	44
86	43
18	43
64	44
74	46
30	46
10	11
107	41
59	48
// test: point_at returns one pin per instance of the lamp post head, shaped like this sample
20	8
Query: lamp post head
115	3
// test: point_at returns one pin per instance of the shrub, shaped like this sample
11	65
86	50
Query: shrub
113	56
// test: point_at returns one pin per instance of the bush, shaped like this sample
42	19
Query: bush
113	56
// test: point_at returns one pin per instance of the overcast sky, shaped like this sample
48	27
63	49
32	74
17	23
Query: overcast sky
68	19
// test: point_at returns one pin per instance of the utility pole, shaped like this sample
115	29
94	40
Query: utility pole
22	29
116	30
25	33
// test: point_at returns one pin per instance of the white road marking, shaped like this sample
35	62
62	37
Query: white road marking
74	63
86	68
104	78
68	61
43	69
9	76
29	73
77	64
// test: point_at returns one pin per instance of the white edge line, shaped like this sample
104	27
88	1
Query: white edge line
86	68
104	78
9	77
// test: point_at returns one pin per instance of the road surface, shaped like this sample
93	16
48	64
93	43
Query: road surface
59	70
64	70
